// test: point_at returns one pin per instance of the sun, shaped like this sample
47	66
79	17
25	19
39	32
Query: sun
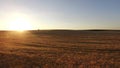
19	23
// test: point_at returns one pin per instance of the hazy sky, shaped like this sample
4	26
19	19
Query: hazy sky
62	14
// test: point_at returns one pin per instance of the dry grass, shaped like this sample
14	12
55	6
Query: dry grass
60	49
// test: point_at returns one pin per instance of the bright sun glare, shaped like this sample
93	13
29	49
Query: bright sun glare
19	23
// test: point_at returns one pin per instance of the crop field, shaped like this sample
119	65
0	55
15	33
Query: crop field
60	49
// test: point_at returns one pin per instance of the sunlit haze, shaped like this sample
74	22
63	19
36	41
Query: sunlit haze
19	22
59	14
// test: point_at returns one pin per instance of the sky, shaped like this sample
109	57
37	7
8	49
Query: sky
60	14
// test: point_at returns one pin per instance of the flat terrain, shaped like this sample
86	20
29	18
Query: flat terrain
60	49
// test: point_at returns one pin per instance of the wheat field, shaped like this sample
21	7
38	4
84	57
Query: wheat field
60	49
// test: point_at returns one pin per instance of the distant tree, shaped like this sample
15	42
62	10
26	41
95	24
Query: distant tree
38	29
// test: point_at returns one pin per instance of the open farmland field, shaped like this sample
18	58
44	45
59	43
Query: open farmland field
60	49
